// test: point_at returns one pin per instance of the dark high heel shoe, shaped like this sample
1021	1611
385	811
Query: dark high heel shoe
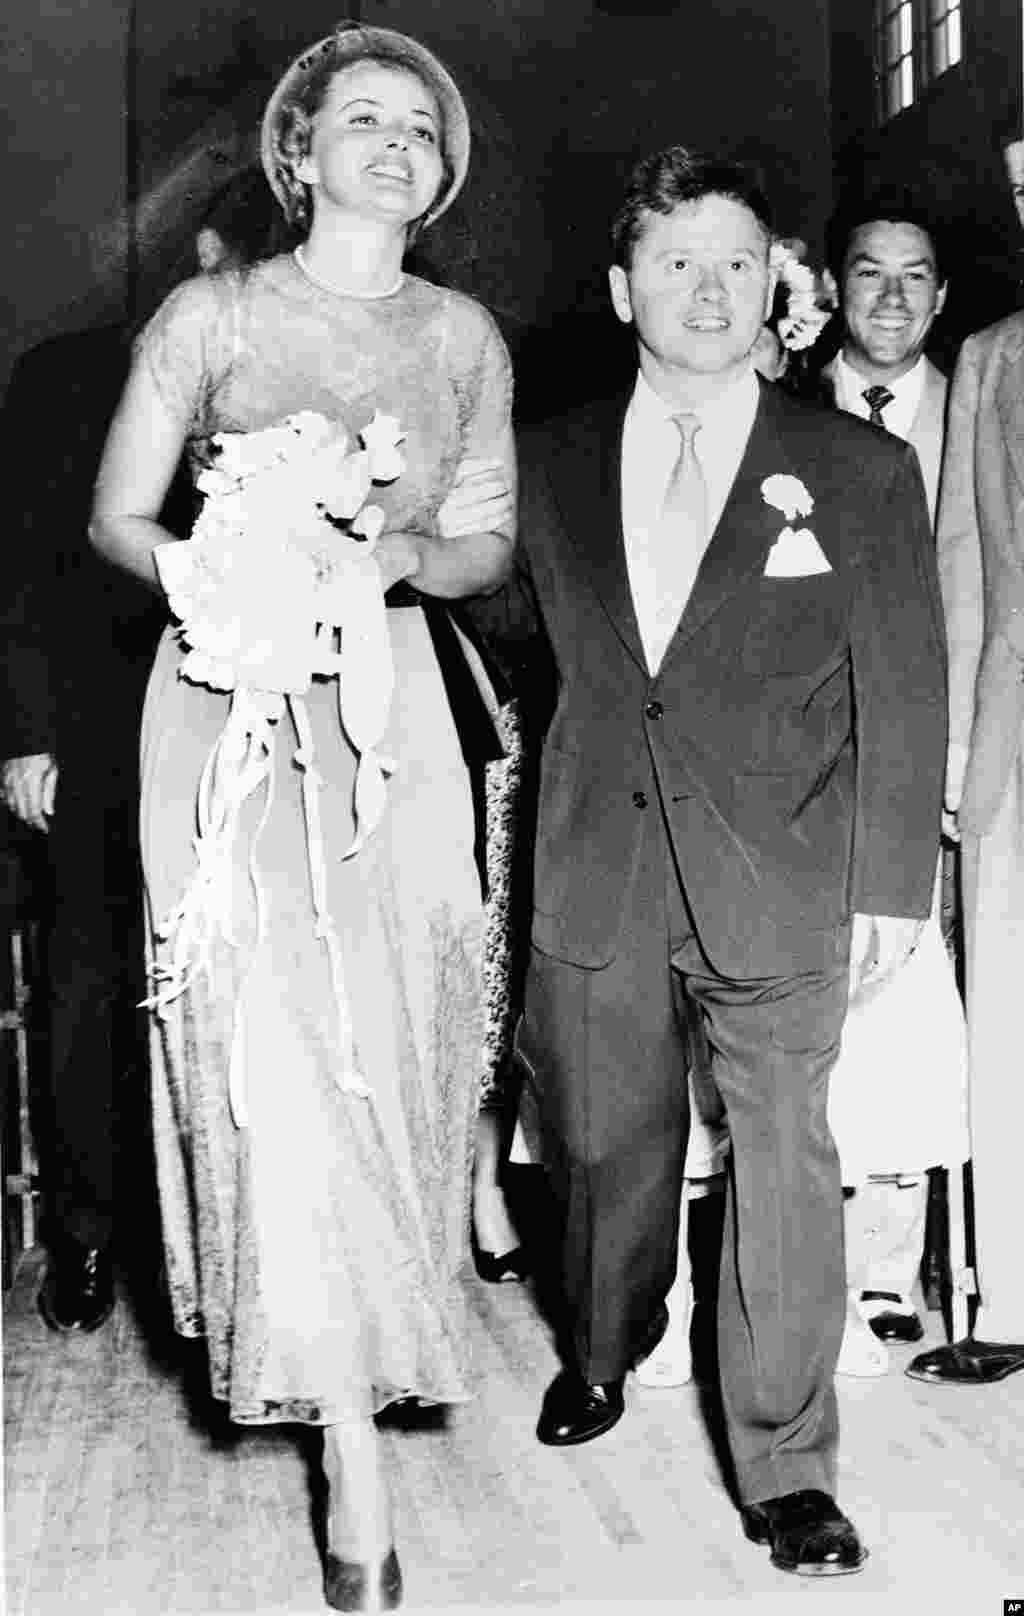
347	1584
511	1265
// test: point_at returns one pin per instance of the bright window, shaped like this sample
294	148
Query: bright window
916	41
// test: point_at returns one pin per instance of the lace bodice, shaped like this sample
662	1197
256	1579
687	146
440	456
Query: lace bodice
240	350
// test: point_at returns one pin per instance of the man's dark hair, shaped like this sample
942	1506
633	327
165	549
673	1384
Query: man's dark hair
662	182
893	205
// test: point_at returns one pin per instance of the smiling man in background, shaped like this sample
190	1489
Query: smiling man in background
888	277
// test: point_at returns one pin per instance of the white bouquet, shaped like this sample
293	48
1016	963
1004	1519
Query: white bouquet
277	583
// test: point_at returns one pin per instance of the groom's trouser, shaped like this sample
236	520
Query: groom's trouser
607	1051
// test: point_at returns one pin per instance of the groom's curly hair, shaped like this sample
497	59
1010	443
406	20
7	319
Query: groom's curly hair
667	179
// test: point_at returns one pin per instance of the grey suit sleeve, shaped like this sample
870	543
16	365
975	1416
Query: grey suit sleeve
899	675
959	548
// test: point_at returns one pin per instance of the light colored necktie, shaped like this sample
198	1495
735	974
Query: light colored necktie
683	534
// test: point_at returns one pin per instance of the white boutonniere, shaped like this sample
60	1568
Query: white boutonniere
788	495
796	553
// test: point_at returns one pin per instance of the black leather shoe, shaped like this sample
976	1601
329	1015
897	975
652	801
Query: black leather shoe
575	1410
807	1533
892	1326
967	1363
78	1290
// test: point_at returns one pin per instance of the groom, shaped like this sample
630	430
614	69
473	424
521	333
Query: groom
744	766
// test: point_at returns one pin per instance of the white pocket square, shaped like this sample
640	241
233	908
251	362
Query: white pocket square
796	553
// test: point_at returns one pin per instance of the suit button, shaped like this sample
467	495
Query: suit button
639	799
654	709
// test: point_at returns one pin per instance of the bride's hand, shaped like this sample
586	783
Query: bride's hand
481	500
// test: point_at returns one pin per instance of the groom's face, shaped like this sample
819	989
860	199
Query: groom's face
698	287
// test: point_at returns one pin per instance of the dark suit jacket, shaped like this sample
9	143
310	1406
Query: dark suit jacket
78	634
795	732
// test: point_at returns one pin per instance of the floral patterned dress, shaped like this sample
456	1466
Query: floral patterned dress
317	1245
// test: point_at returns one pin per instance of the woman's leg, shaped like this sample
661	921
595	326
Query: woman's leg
359	1523
492	1225
362	1569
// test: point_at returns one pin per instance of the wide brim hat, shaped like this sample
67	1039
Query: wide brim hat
352	42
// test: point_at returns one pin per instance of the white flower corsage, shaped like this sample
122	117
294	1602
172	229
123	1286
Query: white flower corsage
808	306
788	495
279	571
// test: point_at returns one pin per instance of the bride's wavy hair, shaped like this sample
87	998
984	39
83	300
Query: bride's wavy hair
297	116
667	179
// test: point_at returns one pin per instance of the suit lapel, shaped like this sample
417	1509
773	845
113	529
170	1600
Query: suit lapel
747	527
586	476
926	431
1010	404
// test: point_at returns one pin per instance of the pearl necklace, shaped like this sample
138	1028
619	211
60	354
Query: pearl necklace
340	291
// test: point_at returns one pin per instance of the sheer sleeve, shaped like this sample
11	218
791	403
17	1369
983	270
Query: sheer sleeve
186	346
483	380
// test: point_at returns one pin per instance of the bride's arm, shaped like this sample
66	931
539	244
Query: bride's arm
472	552
142	451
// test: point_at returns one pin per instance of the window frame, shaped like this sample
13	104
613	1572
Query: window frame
909	40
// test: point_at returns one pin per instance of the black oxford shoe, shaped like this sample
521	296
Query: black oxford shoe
892	1325
78	1290
967	1363
807	1534
575	1410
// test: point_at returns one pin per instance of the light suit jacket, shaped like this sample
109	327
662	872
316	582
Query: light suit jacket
981	562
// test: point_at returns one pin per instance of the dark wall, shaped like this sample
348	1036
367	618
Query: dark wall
62	134
586	89
946	148
564	94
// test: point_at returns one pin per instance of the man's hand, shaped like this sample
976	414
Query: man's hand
28	785
881	944
956	768
481	500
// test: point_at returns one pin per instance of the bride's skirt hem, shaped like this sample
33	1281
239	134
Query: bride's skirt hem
304	1411
317	1247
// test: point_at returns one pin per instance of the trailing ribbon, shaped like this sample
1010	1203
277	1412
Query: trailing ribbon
264	589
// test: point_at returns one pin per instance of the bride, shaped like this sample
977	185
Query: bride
314	1229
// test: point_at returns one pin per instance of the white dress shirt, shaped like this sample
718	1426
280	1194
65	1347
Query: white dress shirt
906	396
650	449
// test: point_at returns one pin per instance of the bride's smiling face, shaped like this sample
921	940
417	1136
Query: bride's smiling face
376	145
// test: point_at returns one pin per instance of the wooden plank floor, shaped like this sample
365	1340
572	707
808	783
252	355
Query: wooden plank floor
126	1492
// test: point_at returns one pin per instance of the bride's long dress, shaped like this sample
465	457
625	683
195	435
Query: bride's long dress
317	1246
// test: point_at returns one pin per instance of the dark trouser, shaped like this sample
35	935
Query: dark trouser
607	1050
96	975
